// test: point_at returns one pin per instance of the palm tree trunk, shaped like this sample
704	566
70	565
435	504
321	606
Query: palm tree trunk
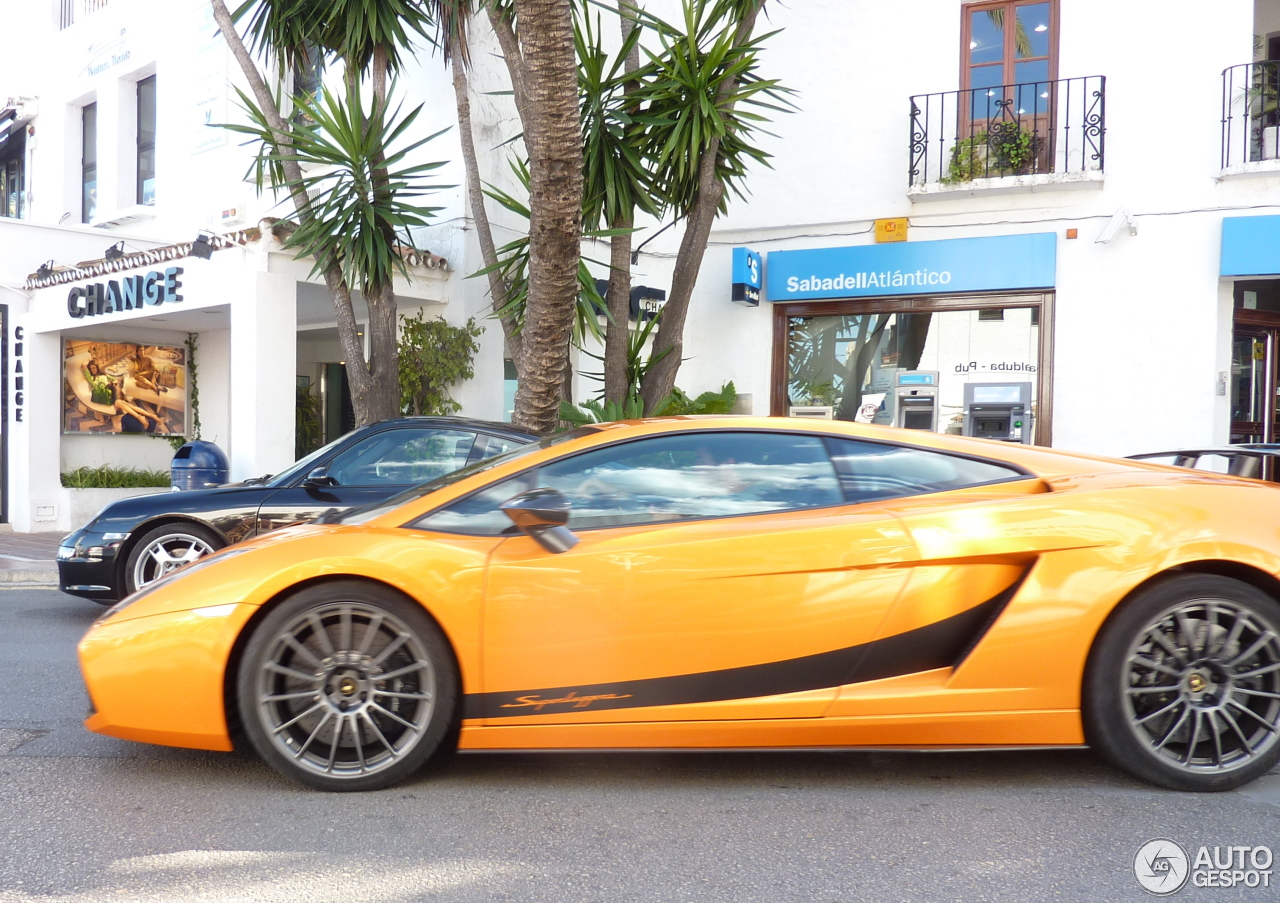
617	330
661	378
339	291
498	288
553	135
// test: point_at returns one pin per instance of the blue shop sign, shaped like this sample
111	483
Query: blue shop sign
1251	246
997	263
748	272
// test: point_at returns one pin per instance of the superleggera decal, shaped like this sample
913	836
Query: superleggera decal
941	644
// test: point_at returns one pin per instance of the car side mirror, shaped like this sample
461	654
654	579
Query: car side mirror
542	514
319	479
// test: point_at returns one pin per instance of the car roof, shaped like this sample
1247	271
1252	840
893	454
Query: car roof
488	426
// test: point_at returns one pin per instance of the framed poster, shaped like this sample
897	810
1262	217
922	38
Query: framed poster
121	387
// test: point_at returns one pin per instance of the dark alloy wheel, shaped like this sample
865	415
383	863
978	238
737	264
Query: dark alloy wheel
1183	684
347	686
164	549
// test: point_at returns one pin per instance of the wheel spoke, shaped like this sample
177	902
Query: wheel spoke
322	635
1187	631
1267	669
296	675
1267	725
1163	688
302	650
296	718
333	746
422	696
370	632
1160	711
1233	636
1168	646
1154	666
285	697
391	648
1258	645
1168	735
377	732
314	732
393	716
1216	733
1244	741
400	672
1195	737
1255	692
355	733
344	627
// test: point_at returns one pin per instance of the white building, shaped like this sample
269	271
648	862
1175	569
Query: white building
1089	194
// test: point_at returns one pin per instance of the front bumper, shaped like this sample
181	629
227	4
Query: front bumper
160	678
87	566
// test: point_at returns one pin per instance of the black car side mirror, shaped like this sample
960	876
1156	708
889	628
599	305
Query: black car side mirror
319	479
542	515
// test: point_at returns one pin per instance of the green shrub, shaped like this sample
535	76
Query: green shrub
1008	150
107	477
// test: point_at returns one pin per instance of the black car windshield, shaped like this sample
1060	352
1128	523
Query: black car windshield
304	465
367	513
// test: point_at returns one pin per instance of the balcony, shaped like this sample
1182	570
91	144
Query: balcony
1251	118
1037	135
72	11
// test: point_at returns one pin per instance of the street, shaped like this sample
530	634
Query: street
84	817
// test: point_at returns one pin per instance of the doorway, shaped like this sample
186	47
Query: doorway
1255	358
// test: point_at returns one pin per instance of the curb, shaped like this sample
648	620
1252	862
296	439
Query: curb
36	576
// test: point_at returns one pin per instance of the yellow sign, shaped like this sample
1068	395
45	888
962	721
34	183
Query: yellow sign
891	229
1259	350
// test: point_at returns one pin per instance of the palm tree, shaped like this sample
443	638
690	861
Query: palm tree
353	214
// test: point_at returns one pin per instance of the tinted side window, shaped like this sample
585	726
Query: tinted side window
685	476
402	456
870	471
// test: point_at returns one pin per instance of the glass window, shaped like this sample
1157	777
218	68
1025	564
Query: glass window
478	514
861	366
496	445
88	162
147	140
685	476
402	456
1010	43
869	471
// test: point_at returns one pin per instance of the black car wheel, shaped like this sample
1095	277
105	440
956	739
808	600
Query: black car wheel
347	686
164	549
1183	684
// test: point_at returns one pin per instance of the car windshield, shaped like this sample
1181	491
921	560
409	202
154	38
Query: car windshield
377	509
303	466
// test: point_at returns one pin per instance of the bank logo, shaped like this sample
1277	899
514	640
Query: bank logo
1161	867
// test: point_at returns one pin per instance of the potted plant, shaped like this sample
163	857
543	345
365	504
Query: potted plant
1002	149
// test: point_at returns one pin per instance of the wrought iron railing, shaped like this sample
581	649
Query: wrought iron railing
1008	130
1250	118
72	11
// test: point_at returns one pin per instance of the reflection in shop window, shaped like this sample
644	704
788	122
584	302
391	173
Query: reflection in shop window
909	369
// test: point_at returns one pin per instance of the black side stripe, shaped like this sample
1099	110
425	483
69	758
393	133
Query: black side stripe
941	644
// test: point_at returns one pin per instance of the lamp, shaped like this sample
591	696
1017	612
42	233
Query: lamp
45	270
202	247
115	252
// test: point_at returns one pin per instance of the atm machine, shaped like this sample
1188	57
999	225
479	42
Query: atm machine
998	411
915	399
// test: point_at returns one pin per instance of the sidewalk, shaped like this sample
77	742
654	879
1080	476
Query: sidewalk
30	558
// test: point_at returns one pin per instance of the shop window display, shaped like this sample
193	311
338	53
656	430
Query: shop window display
121	387
860	366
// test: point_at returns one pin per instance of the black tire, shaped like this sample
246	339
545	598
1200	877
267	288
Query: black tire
1182	688
330	720
178	538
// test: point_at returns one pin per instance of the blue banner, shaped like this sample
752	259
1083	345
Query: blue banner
1250	246
997	263
748	272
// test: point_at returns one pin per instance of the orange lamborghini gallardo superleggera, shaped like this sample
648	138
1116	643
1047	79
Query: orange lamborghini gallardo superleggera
729	583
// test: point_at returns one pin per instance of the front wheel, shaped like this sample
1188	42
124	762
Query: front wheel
347	686
1183	684
165	549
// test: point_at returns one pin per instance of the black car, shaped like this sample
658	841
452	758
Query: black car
1260	461
135	541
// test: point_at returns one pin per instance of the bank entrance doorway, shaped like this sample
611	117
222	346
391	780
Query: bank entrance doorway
1255	362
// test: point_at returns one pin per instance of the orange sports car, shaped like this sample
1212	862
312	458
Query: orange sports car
729	583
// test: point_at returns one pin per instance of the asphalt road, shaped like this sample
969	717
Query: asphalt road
88	818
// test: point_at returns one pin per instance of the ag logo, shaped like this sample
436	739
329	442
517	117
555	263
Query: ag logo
1161	867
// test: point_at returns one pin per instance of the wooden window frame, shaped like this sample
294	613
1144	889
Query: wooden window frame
142	147
1043	300
1010	50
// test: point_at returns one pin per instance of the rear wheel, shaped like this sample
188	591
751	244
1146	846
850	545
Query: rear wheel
347	686
1183	684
